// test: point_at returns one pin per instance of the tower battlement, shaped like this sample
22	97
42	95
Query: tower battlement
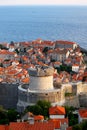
41	71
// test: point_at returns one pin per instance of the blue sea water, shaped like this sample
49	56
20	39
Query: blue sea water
26	23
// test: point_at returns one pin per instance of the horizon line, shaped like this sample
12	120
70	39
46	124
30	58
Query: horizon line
43	5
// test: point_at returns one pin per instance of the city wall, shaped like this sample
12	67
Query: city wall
8	95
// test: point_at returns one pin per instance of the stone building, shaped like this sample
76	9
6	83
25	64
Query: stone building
65	44
40	88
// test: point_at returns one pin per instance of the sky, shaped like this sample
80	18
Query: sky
43	2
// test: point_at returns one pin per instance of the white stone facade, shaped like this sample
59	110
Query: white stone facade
41	83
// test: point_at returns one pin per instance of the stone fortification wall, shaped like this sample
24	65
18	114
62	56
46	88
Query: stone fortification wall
77	88
33	96
67	87
8	95
26	97
55	96
83	99
22	95
72	101
84	87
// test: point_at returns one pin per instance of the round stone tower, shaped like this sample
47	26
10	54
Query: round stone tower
41	78
40	88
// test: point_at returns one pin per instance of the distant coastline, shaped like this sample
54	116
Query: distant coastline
83	50
26	23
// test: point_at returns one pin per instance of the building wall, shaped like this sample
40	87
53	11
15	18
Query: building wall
72	101
8	95
55	96
75	46
41	83
83	99
59	45
33	97
57	116
84	87
59	57
77	88
67	87
75	68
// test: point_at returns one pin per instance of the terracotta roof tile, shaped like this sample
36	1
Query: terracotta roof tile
57	110
4	127
83	113
65	42
38	117
35	126
26	80
6	52
58	122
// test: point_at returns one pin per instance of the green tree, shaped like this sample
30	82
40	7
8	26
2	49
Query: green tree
12	115
84	125
45	105
73	118
77	127
35	109
45	50
81	126
17	51
41	108
3	116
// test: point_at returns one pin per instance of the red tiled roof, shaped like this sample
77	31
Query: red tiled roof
57	110
35	126
74	76
55	75
83	113
26	80
57	63
38	117
58	122
80	77
1	69
75	65
85	74
12	72
6	52
65	42
4	127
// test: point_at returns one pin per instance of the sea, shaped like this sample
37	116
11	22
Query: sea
28	23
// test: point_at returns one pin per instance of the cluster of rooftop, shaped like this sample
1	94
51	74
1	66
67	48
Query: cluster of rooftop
19	57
